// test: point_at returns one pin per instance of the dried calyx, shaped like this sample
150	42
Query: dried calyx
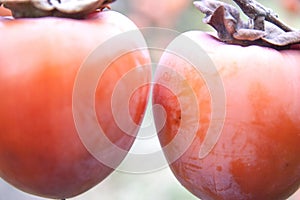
60	8
263	28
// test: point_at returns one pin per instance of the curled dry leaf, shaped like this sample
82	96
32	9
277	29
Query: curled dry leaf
61	8
263	27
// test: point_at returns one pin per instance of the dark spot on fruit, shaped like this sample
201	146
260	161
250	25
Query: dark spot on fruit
286	165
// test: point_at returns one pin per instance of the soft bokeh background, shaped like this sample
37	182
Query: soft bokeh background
179	15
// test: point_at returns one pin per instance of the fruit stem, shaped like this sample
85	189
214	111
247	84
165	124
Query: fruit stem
259	13
263	27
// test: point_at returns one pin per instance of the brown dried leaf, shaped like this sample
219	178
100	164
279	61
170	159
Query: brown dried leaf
225	19
62	8
283	39
222	17
248	34
208	7
226	28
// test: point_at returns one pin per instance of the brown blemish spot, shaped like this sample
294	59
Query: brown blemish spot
219	168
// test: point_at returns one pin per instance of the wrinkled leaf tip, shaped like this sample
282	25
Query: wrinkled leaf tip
197	4
203	6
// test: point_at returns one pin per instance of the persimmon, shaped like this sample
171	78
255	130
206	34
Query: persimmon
45	116
232	106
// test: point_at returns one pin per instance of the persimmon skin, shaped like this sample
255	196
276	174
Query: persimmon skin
257	154
4	11
40	149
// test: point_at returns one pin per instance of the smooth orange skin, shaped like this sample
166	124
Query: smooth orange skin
40	149
257	154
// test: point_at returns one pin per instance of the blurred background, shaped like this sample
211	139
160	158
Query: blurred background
179	15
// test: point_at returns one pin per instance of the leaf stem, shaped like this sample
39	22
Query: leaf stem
255	10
